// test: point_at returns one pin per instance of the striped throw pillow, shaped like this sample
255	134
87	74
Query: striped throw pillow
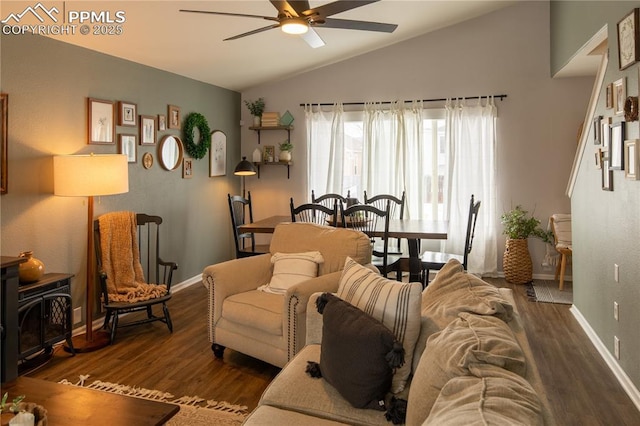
394	304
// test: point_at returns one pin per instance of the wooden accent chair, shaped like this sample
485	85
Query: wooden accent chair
561	228
396	211
436	260
133	277
314	213
238	207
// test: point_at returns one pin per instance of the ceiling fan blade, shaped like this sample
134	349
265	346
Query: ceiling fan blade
348	24
244	15
259	30
292	7
312	38
337	7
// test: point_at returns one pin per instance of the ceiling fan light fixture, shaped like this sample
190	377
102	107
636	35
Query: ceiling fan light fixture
294	26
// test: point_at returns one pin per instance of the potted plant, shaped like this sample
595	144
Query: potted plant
256	108
285	151
518	227
7	412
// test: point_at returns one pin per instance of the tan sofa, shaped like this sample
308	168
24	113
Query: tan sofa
460	376
272	327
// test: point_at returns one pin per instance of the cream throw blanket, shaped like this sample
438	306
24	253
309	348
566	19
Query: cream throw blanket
121	260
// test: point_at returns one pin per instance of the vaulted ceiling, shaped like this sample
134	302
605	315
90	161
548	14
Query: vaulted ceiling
157	34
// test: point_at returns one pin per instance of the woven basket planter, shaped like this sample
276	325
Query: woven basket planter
516	262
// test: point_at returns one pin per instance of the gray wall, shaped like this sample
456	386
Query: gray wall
48	83
506	51
606	224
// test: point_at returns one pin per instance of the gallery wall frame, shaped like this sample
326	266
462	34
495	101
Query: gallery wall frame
632	159
127	114
147	130
173	115
127	146
619	95
101	124
597	130
629	39
616	147
218	154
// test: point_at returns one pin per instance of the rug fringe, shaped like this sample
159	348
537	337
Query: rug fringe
155	395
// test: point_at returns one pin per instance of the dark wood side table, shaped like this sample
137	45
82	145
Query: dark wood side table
72	405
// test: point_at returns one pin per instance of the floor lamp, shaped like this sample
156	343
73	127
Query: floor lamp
90	176
244	168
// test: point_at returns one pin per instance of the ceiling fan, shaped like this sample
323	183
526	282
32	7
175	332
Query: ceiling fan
296	17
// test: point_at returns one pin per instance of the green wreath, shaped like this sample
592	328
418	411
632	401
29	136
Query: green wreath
196	150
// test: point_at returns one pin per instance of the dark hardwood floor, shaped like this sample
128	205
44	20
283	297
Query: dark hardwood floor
581	388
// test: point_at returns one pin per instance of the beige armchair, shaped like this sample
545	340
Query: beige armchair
269	326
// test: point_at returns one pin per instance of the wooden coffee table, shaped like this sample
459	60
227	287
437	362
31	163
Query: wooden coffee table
72	405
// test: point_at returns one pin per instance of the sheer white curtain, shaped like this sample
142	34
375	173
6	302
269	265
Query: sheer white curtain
325	144
471	138
392	149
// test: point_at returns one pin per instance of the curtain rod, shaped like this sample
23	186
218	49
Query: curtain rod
501	97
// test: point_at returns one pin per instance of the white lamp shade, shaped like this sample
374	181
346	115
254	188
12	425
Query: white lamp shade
90	175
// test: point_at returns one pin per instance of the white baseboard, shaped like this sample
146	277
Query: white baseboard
608	358
97	323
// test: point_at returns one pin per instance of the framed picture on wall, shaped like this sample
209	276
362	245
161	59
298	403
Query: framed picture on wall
597	130
269	155
218	154
606	175
616	148
598	158
629	39
605	133
147	130
127	146
127	114
162	122
619	95
631	159
100	122
187	168
609	103
174	116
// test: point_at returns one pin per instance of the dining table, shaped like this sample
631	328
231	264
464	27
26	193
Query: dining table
413	230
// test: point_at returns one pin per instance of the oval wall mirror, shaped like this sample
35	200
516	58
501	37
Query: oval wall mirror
170	152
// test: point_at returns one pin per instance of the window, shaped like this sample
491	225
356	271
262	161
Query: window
424	180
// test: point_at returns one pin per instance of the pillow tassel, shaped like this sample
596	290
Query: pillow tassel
397	411
395	357
313	370
321	302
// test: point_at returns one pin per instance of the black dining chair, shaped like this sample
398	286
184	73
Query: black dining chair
375	223
327	200
434	261
245	242
315	213
396	211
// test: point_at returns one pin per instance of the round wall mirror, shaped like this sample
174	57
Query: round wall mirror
170	152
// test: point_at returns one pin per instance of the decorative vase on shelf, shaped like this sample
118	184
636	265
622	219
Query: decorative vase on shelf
256	121
257	155
285	156
31	270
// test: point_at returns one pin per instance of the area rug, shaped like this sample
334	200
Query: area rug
194	411
548	292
